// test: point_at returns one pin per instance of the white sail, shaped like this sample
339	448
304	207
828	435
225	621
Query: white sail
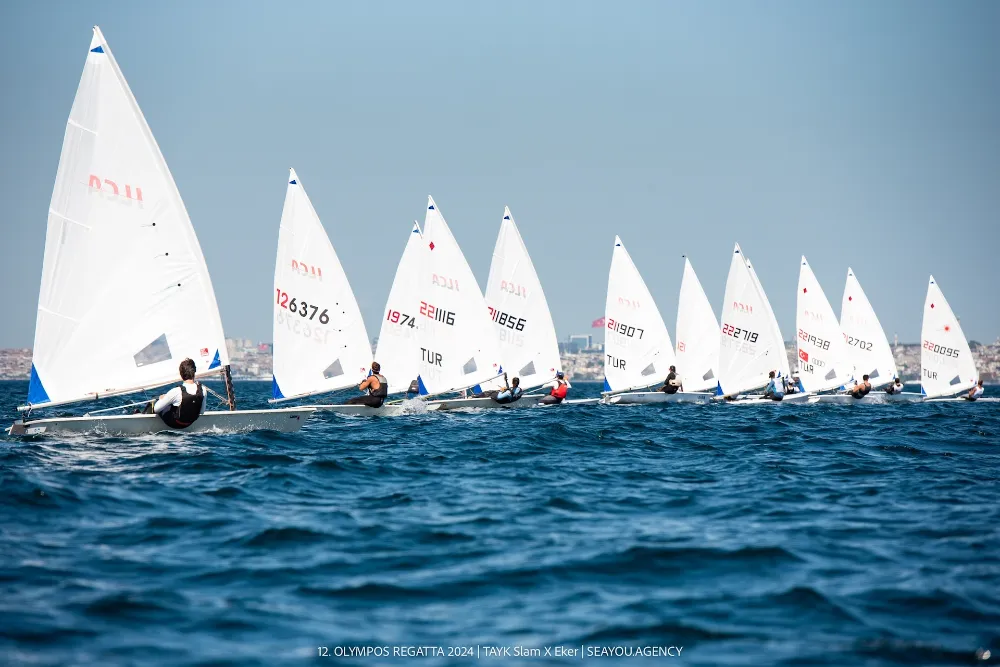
458	345
637	348
398	350
867	346
946	363
320	342
750	345
823	362
125	293
697	335
520	313
772	321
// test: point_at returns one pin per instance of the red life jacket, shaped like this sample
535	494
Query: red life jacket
559	391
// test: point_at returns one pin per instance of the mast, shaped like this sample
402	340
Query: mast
227	377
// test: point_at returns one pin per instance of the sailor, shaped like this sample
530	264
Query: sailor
672	383
511	393
791	384
862	388
558	392
181	406
895	387
377	387
414	387
775	389
975	392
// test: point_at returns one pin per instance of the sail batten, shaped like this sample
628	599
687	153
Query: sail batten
116	217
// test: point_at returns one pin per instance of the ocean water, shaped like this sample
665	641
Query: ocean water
751	536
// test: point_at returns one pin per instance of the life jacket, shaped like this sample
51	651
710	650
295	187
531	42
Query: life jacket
515	393
383	387
559	391
187	413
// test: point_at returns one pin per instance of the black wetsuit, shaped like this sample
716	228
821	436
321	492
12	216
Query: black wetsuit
187	413
515	394
375	397
668	388
861	391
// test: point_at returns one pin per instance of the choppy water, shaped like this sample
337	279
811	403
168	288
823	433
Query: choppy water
783	534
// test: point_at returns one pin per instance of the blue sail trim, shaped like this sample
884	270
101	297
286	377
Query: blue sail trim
477	389
36	392
607	387
292	182
718	389
421	389
275	389
97	49
216	362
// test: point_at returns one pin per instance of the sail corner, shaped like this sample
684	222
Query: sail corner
275	389
36	391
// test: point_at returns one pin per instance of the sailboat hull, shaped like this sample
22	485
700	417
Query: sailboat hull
483	403
409	407
652	397
285	420
873	398
798	399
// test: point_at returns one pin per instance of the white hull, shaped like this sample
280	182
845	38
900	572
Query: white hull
798	399
527	401
875	397
285	420
573	401
649	397
410	407
960	399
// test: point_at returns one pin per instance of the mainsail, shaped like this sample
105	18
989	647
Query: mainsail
867	346
637	348
458	345
125	293
320	342
823	362
946	363
398	350
697	335
751	344
520	313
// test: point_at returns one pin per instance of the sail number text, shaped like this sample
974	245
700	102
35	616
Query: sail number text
402	319
505	320
437	314
941	349
624	329
302	308
821	343
737	332
858	343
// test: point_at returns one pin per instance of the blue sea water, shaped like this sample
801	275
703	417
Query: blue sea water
748	536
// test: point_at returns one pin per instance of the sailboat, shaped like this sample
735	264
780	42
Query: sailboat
867	346
521	319
459	348
637	347
697	349
823	363
320	341
946	364
125	292
751	345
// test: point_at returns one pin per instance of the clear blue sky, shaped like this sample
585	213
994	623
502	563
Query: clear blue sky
858	133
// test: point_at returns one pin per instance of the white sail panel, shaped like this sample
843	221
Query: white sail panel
320	341
867	346
398	350
823	362
946	363
750	345
697	335
458	345
528	345
637	348
125	293
772	321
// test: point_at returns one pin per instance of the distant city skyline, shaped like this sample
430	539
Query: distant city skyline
858	134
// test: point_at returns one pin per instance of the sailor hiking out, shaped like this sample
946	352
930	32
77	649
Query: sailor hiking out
377	387
181	406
